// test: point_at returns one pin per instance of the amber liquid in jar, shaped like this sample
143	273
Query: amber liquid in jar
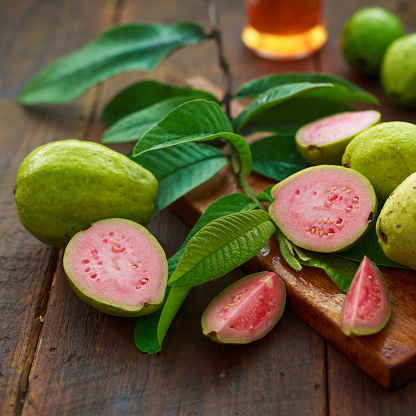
284	29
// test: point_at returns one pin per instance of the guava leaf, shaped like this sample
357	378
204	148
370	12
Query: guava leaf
123	48
343	90
134	126
286	250
273	97
181	168
151	329
340	270
265	195
145	333
144	94
276	157
287	117
369	247
221	246
194	121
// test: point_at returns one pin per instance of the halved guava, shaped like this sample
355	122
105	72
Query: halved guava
366	308
117	267
323	141
324	208
245	311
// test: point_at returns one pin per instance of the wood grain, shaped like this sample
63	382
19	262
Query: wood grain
87	362
83	362
32	36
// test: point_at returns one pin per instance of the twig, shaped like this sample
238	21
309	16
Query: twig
216	34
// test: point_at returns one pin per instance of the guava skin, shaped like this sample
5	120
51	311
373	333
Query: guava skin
367	307
323	141
245	311
396	224
117	267
398	71
385	154
63	187
366	36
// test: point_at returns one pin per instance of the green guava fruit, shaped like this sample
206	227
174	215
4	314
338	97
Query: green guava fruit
324	208
117	267
366	36
385	154
323	141
398	71
366	308
245	311
396	224
64	186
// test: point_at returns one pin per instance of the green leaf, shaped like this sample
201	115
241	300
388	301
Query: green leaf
181	168
287	117
145	333
343	90
197	120
144	94
276	157
225	205
272	97
286	250
173	302
265	195
134	126
369	247
221	246
341	271
151	329
129	47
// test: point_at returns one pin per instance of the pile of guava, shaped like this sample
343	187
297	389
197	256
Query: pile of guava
374	44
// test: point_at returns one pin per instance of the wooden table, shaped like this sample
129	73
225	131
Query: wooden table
61	357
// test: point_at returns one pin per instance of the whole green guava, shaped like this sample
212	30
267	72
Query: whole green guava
396	224
398	71
385	154
64	186
366	36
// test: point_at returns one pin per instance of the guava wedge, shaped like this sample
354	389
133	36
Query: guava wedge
366	308
323	141
117	267
64	186
324	208
396	224
245	311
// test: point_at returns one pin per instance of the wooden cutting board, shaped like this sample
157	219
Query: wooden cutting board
389	356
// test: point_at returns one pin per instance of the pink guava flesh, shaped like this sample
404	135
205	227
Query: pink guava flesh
339	126
245	311
324	208
366	308
117	263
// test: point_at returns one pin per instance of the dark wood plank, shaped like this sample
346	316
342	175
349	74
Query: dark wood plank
32	36
88	364
85	355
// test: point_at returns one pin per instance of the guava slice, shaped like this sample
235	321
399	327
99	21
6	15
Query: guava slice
366	308
64	186
117	267
245	311
324	208
323	141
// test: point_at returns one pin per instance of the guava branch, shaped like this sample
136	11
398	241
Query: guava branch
216	34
